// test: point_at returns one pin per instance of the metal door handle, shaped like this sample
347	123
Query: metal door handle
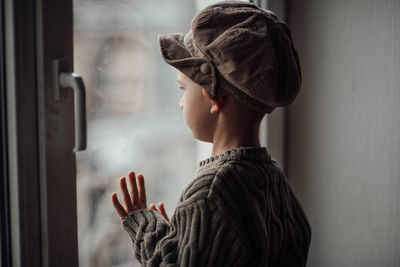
67	79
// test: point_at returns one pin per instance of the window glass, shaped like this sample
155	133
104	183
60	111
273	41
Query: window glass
134	121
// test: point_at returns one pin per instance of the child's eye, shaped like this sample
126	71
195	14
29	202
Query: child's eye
181	88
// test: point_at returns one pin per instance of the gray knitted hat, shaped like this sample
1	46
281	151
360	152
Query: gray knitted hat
235	47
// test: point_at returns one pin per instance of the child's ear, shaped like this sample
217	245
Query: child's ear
216	103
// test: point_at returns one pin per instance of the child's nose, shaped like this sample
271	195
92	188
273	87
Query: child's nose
181	103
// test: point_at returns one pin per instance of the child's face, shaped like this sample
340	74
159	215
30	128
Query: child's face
195	106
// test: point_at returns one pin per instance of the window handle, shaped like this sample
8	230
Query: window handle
62	78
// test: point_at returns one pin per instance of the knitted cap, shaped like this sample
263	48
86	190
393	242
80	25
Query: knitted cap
235	47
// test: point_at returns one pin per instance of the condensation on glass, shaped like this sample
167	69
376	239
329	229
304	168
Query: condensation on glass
134	122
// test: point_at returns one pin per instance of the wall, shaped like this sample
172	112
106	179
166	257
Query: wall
343	145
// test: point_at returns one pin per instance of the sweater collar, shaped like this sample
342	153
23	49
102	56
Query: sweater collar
254	153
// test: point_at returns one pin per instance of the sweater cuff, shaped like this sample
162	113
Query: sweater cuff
139	219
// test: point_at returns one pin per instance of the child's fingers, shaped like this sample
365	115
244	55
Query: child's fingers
118	207
162	210
142	191
152	207
125	194
134	190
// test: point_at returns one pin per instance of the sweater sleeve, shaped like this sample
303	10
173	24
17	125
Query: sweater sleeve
197	235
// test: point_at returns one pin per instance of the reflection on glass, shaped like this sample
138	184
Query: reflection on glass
134	122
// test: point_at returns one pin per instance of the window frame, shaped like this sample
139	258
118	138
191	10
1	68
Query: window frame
5	244
21	133
40	134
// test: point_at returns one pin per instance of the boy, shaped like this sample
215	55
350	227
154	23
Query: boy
236	64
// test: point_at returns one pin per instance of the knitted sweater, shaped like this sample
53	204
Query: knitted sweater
239	210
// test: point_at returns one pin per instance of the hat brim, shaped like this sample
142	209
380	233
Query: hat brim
175	53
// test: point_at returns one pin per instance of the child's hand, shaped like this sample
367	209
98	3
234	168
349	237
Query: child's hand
135	200
161	209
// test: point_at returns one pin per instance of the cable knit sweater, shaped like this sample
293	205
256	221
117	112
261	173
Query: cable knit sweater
239	210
